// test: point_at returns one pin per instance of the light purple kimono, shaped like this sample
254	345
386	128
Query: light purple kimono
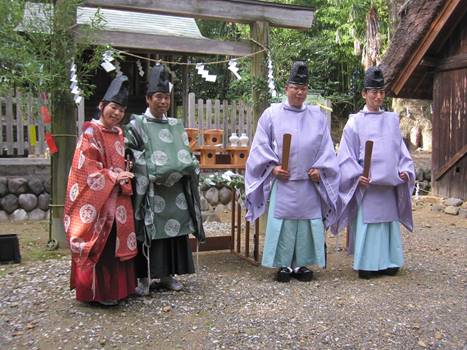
388	197
311	147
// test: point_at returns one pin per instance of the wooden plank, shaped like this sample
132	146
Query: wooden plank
19	126
200	121
166	43
233	117
191	110
239	227
2	124
217	112
9	124
242	11
247	238
225	116
453	62
241	118
232	224
249	118
211	243
435	28
209	114
256	241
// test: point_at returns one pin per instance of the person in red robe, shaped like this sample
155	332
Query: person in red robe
98	216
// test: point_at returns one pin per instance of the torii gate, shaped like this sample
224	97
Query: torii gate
259	15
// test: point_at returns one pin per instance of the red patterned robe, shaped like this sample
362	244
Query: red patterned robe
98	217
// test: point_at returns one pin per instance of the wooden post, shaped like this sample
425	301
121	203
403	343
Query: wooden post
247	238
260	33
256	241
239	226
185	92
232	225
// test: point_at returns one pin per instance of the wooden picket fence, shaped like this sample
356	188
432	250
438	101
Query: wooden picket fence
21	127
233	116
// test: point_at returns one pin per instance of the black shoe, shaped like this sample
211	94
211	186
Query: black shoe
303	274
366	274
391	271
283	275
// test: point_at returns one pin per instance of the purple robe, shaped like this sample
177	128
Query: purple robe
311	147
388	197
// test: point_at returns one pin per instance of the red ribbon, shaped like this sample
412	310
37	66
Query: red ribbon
46	118
51	143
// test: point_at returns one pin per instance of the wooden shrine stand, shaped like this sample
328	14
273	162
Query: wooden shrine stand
213	156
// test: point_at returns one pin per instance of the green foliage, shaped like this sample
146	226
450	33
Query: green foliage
37	47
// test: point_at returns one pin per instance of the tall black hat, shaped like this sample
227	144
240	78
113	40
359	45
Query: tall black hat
158	80
373	79
298	74
117	91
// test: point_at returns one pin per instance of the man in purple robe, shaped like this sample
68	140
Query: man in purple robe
302	199
372	207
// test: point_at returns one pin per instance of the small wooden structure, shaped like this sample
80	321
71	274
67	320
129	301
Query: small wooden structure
428	60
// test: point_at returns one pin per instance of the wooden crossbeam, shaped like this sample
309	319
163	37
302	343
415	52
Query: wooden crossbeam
242	11
450	163
151	42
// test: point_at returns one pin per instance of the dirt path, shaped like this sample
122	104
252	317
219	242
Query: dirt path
233	305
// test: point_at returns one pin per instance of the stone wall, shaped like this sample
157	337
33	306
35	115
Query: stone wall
24	198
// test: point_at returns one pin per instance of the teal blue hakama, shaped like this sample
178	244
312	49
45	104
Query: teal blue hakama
378	246
292	243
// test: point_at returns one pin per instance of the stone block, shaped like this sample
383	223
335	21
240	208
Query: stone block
212	196
225	195
43	201
18	185
37	214
452	210
36	186
9	203
19	215
3	186
27	201
455	202
3	216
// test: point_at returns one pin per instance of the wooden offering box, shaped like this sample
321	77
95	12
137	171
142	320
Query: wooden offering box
192	137
212	136
238	155
208	155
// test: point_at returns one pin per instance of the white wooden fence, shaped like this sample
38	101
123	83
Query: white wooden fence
233	116
21	126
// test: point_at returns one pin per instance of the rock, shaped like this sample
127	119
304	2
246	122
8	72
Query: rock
36	186
47	185
429	199
3	216
427	175
9	203
17	185
225	195
438	335
19	215
452	210
37	214
27	201
212	196
422	343
437	207
204	204
210	217
167	308
3	186
455	202
419	174
220	208
43	201
463	213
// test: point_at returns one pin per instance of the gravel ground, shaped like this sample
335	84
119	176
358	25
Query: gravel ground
231	304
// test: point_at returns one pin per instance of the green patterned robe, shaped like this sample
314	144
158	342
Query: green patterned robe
166	199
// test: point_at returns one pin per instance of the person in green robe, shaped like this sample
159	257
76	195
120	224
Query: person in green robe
166	198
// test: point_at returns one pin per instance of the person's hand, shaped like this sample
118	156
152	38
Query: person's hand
364	181
403	175
313	174
280	173
124	176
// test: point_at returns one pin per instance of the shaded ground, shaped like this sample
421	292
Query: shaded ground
234	305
